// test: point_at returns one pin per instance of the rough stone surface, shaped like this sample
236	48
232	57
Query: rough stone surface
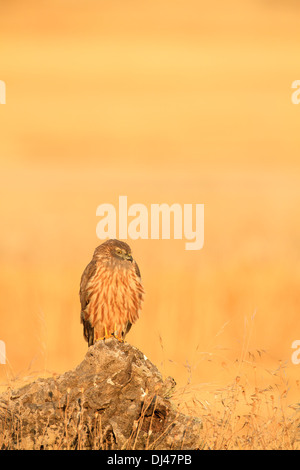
114	399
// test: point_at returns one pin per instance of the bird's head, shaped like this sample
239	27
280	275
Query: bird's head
116	250
122	251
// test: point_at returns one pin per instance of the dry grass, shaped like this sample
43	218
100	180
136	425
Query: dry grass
245	416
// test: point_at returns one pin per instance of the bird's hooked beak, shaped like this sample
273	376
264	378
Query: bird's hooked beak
129	257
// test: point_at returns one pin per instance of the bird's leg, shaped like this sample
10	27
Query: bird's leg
106	335
111	335
119	338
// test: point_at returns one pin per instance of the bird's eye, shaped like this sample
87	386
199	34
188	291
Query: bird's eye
119	251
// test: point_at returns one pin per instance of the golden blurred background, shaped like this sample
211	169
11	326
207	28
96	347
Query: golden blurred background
162	101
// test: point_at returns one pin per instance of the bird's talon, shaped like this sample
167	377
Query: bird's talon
106	336
119	338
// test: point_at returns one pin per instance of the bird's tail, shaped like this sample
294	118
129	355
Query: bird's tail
88	331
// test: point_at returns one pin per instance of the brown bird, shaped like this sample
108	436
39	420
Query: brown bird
111	292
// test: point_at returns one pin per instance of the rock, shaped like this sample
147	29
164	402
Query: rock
114	399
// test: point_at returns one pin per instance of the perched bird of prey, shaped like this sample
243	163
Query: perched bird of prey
111	292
